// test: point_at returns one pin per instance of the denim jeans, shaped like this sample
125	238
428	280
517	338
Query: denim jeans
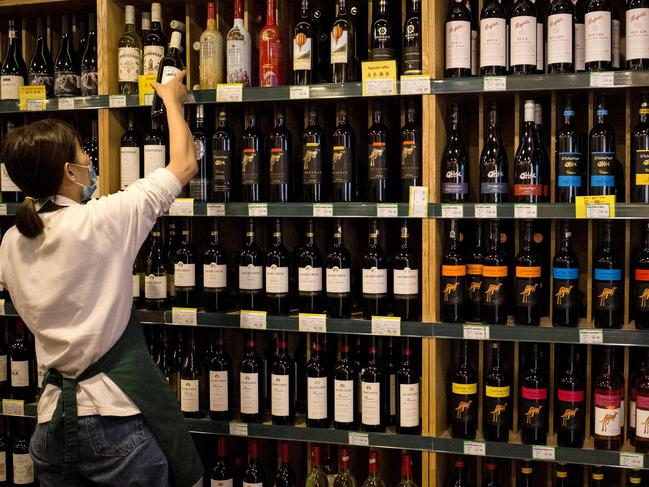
113	452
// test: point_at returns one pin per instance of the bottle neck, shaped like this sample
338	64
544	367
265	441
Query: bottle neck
270	12
571	359
238	10
493	120
465	354
565	240
527	237
607	237
495	357
644	112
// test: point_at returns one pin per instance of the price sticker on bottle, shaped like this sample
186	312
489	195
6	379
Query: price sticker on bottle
543	453
216	209
358	439
66	103
312	323
184	316
494	83
182	207
117	101
13	407
415	85
418	201
258	209
252	320
478	448
486	211
229	93
475	332
632	460
299	92
387	210
594	337
602	80
386	325
323	210
238	429
526	211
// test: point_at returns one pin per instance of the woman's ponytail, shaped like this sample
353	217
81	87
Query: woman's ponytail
28	221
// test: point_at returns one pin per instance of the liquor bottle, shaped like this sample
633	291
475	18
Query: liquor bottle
523	37
642	410
239	46
343	54
634	477
458	40
609	395
344	477
453	279
154	149
493	306
129	55
277	274
459	476
498	399
191	376
374	276
318	387
169	67
382	36
310	297
222	474
282	391
210	65
346	397
222	160
22	463
271	50
373	391
312	168
565	282
598	36
569	156
373	479
561	41
199	188
405	279
155	279
221	381
493	163
608	286
129	154
154	42
455	162
305	48
640	153
408	414
411	60
527	283
343	161
186	295
533	412
464	397
410	165
491	474
251	153
254	475
21	365
526	475
279	165
601	148
641	284
14	72
251	387
378	150
406	471
597	477
338	277
637	36
41	67
215	273
89	77
251	272
493	39
316	477
528	168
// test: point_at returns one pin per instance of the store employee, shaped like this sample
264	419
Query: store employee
68	268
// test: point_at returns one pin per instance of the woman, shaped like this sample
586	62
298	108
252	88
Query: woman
68	268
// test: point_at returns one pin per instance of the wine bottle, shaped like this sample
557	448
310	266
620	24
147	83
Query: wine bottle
493	163
453	279
474	262
4	453
495	278
608	285
251	400
343	161
254	475
609	395
411	60
570	417
338	277
561	41
154	42
640	153
222	160
616	28
408	415
305	52
285	476
279	165
455	162
312	175
41	67
464	397
222	474
345	388
89	78
145	25
155	280
602	153
458	40
634	477
215	273
641	284
378	150
251	272
14	72
565	282
221	382
211	52
390	366
21	365
526	475
239	46
382	36
491	473
498	399
318	387
316	477
22	463
344	477
191	376
374	276
283	384
533	412
634	379
373	479
459	478
129	154
310	297
541	144
186	295
637	35
528	169
598	36
4	366
569	156
129	55
343	45
493	39
199	188
251	153
173	243
642	410
523	37
527	283
373	391
169	67
405	279
410	167
277	274
406	471
154	149
271	62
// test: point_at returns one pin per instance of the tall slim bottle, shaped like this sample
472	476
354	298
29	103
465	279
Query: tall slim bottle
343	162
251	272
408	384
458	40
210	58
405	279
282	380
609	396
310	278
338	277
453	279
527	282
319	386
411	60
640	154
474	261
221	380
495	279
199	186
41	67
570	399
608	283
637	35
14	72
455	162
277	274
602	154
640	298
346	398
374	276
565	282
373	389
184	261
598	35
169	67
155	279
528	162
493	39
464	397
411	154
305	46
534	404
569	157
312	167
280	165
271	50
251	387
222	160
238	49
154	42
251	156
561	42
378	156
498	400
192	381
493	163
523	37
343	45
129	55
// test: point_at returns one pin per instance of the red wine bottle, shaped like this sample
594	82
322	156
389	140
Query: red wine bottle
155	279
493	163
343	45
285	475
495	280
602	154
169	67
305	46
493	39
21	365
523	37
373	391
215	273
271	51
408	414
222	160
598	35
191	380
378	150
527	283
338	277
282	381
254	475
221	381
374	276
411	60
458	40
66	66
186	291
453	279
251	154
642	410
455	162
641	284
222	474
312	168
41	67
608	284
410	161
640	154
383	38
405	279
637	35
154	42
464	397
609	396
561	42
89	77
277	274
570	416
345	388
528	169
565	282
251	272
319	385
569	157
474	261
199	186
251	387
310	278
343	162
534	405
279	165
498	400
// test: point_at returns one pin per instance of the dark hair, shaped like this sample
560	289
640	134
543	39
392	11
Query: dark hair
34	156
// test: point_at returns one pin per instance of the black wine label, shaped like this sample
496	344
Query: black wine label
250	167
341	165
410	159
564	293
607	289
278	166
642	167
571	410
453	290
493	291
377	161
464	403
412	55
528	289
534	408
494	188
89	82
602	169
312	163
42	80
497	409
221	170
570	169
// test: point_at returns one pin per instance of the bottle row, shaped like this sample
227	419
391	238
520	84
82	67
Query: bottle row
16	464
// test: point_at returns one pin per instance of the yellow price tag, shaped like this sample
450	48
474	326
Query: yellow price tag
595	206
144	86
379	78
31	93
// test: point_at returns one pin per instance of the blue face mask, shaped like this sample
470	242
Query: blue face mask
87	190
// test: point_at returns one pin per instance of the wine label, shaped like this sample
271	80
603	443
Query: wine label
316	397
527	184
10	87
136	285
251	277
495	181
184	274
341	169
215	276
498	392
641	284
527	286
580	47
493	285
189	395
302	52
539	47
129	64
454	188
221	170
276	279
642	417
6	184
406	281
312	163
279	394
155	287
464	389
565	287
338	280
339	45
66	83
129	165
23	467
309	279
249	386
608	414
560	42
569	166
250	167
497	405
238	47
571	410
602	169
371	403
375	281
168	73
3	368
409	405
19	373
607	289
377	161
152	56
410	159
41	79
222	483
154	158
458	44
464	402
615	43
344	401
3	466
642	167
637	33
279	165
219	390
493	42
452	284
392	392
89	82
598	33
534	408
523	40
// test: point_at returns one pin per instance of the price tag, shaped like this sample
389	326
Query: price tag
238	429
3	210
386	325
591	336
418	202
253	320
598	211
478	448
452	211
117	101
148	99
28	93
379	78
182	207
184	316
602	80
312	323
299	92
216	209
13	407
543	453
228	93
632	460
387	210
486	211
595	206
495	83
415	85
258	209
323	210
358	439
66	103
144	82
2	307
379	87
35	105
526	211
476	332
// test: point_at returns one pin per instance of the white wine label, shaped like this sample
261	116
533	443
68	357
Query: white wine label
375	281
539	46
19	373
129	165
637	33
393	394
339	46
608	421
406	281
277	279
249	392
371	403
580	47
309	279
219	390
152	56
493	42
222	483
251	277
458	44
301	53
215	276
560	38
10	87
155	287
129	64
344	401
168	73
23	466
409	402
523	40
154	158
189	394
184	274
598	36
3	368
279	394
6	184
338	280
642	420
256	484
136	285
316	397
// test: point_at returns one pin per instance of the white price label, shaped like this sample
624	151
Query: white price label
418	201
602	80
591	336
543	453
238	429
452	211
2	307
117	101
475	332
379	87
598	211
148	99
182	207
632	460
13	407
312	323
359	439
526	211
258	209
386	325
299	92
67	103
495	83
35	105
229	93
184	316
323	210
253	320
478	448
216	209
486	211
3	210
415	85
387	210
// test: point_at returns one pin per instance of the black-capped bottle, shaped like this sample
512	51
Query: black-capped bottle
378	157
221	380
254	475
565	282
523	37
598	35
251	386
192	386
374	276
608	405
155	276
458	40
637	35
410	159
222	160
526	475
169	67
305	46
222	474
199	186
528	162
346	389
312	168
493	39
251	155
570	416
474	261
282	380
569	157
338	277
186	291
215	273
601	147
534	405
343	45
498	400
154	149
373	391
495	278
455	162
279	164
527	282
464	397
405	279
608	285
383	38
14	72
342	163
453	279
310	275
319	386
412	36
251	272
21	365
89	80
41	67
408	414
493	163
641	284
66	66
561	41
277	274
640	153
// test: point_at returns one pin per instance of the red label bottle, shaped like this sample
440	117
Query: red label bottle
271	61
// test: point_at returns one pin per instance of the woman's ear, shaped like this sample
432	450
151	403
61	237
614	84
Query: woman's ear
67	172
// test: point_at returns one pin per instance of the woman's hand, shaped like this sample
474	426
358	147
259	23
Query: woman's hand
173	92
